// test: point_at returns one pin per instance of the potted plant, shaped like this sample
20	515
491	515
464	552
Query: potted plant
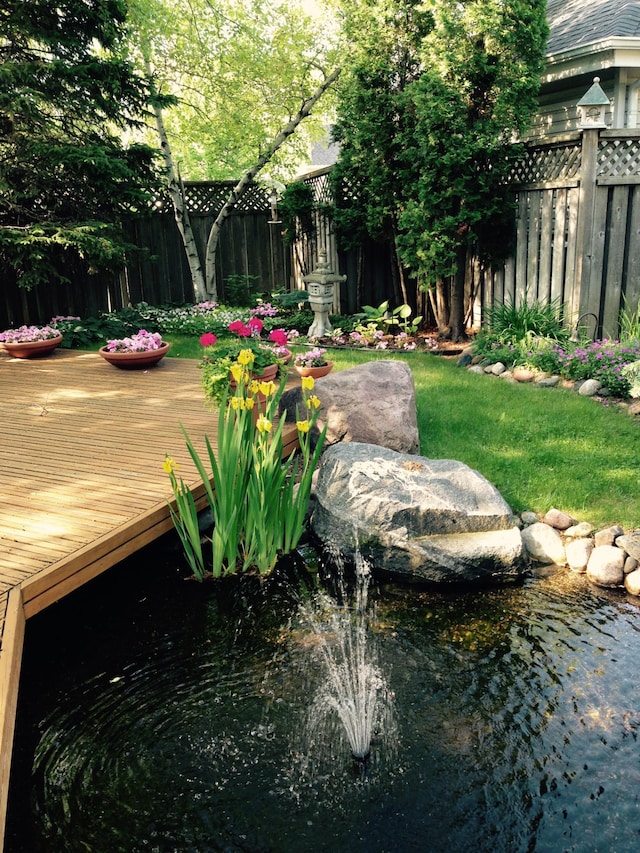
266	359
140	350
30	341
313	363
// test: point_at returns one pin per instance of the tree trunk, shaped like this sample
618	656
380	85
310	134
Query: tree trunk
236	192
180	212
457	314
439	300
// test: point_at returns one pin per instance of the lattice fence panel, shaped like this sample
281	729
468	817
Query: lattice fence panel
618	158
543	164
208	198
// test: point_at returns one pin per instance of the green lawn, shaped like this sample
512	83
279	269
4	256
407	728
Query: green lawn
540	447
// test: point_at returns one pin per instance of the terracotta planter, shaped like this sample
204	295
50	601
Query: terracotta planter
316	372
134	360
32	349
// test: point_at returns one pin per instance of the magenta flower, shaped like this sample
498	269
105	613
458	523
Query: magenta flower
255	324
279	337
240	329
208	339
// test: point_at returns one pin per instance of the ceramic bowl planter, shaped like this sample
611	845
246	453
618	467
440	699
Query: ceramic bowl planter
31	349
134	360
316	372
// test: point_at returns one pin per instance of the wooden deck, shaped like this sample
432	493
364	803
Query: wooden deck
82	486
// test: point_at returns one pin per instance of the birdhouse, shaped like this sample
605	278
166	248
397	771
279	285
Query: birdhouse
592	107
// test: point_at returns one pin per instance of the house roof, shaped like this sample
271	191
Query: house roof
573	23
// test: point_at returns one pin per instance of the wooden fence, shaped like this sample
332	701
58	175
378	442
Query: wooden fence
577	241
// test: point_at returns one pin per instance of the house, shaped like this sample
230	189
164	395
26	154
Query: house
587	39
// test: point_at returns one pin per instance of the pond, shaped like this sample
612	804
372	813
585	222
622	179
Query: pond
159	714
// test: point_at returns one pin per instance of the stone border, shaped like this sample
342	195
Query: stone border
523	375
609	557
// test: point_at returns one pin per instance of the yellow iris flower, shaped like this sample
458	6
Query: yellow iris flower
245	357
303	426
263	424
308	382
169	465
268	388
313	402
238	373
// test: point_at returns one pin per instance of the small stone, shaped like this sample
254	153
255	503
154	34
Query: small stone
630	543
508	375
544	544
465	359
634	409
548	381
558	519
606	566
578	531
476	368
607	536
630	565
632	583
498	368
523	374
578	553
488	368
528	517
589	388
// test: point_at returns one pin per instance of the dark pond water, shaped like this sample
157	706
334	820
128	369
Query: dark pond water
157	714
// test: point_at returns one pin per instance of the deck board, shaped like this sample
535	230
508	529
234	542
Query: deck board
82	486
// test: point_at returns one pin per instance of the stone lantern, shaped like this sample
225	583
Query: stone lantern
592	107
320	286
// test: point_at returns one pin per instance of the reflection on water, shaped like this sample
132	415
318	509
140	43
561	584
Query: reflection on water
158	714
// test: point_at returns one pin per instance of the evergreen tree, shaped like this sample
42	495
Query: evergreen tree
67	97
436	96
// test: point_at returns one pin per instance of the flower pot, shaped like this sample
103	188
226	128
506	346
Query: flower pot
134	360
316	372
32	349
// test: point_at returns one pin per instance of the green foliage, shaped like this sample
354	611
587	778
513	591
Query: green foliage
544	319
238	290
67	180
297	206
258	500
629	323
240	70
429	104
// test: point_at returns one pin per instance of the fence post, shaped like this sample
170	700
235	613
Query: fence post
586	291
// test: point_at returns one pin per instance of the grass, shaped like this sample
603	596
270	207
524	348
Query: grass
540	447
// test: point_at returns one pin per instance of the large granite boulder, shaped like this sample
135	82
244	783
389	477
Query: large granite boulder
373	403
414	519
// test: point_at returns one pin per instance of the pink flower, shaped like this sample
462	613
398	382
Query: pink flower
208	339
240	329
279	337
255	324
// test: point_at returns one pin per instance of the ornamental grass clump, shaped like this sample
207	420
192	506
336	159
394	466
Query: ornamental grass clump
258	501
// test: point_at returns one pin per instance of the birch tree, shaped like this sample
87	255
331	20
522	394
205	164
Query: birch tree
244	74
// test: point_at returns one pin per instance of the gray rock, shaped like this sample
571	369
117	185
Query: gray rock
416	519
373	403
544	544
632	583
630	565
578	531
558	519
606	566
589	388
498	368
630	543
548	381
578	553
465	359
608	535
476	368
529	517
